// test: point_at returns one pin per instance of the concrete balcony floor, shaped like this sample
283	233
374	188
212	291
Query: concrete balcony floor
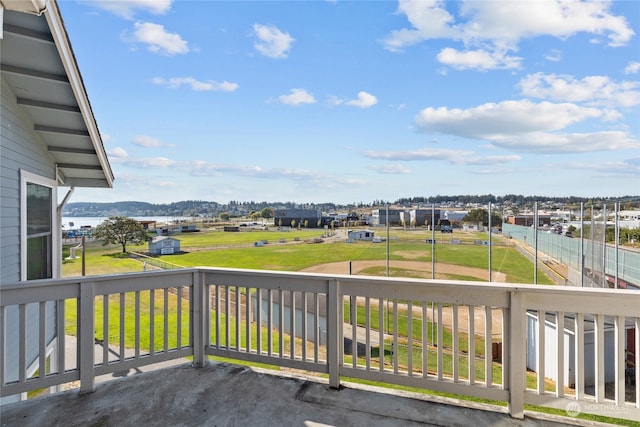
222	394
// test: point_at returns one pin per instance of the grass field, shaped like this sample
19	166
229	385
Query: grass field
290	251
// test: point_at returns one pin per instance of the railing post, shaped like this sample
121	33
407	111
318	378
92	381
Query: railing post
517	355
86	325
334	332
199	303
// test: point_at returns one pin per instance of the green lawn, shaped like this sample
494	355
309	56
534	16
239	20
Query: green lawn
144	301
403	245
236	250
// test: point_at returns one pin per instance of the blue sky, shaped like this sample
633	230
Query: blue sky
350	101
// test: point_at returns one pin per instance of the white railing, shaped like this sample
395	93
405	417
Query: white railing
467	338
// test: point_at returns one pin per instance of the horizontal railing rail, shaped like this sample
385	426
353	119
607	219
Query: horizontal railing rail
519	344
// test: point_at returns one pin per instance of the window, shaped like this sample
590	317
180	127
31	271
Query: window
38	197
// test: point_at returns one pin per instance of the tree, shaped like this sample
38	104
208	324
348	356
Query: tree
481	215
224	216
477	215
266	213
121	230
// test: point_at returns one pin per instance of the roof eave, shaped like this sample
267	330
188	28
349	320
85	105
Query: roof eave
61	40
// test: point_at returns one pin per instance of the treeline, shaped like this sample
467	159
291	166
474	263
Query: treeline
516	199
239	208
183	208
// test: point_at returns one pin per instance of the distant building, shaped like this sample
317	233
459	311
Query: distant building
360	235
528	220
307	218
629	215
162	245
629	219
420	217
454	215
379	217
472	226
148	225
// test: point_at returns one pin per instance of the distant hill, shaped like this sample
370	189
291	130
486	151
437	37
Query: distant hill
192	208
134	208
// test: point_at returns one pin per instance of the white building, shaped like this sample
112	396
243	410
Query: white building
163	245
367	235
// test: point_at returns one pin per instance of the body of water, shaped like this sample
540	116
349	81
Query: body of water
76	222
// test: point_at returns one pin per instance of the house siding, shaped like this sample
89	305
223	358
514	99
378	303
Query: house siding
21	149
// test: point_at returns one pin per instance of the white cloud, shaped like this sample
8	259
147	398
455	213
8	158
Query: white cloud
488	160
632	68
525	126
196	85
554	56
429	20
391	169
155	162
158	40
205	168
304	177
595	90
149	142
457	157
515	20
364	100
419	154
544	142
146	141
272	42
132	183
507	117
127	8
481	59
118	152
297	97
628	167
488	32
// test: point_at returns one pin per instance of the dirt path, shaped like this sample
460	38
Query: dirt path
342	267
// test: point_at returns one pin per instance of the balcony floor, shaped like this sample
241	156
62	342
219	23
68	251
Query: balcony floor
222	394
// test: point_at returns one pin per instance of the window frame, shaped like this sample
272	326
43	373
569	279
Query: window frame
32	178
